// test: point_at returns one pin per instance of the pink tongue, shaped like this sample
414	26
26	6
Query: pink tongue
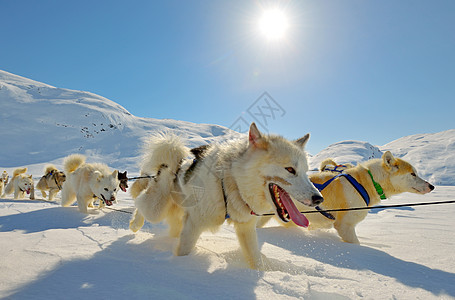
108	202
28	192
294	214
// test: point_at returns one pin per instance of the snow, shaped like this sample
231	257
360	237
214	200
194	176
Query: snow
51	252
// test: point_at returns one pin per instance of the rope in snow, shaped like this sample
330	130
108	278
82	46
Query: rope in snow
371	207
119	210
340	209
140	177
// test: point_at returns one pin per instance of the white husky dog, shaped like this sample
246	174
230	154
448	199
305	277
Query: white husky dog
86	182
235	180
3	181
20	184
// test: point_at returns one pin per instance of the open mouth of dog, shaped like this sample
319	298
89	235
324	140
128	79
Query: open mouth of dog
285	207
107	202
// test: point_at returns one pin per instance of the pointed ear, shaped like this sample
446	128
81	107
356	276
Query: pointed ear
30	176
303	140
388	159
255	137
115	174
98	175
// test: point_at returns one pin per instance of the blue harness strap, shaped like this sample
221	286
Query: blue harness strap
359	188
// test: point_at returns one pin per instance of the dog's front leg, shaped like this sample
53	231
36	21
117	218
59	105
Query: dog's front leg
347	232
246	233
18	193
52	193
32	193
82	204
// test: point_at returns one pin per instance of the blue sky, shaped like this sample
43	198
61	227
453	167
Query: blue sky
363	70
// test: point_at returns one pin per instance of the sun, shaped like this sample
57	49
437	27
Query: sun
273	24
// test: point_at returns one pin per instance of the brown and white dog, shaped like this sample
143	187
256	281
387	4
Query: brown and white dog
52	181
394	175
123	178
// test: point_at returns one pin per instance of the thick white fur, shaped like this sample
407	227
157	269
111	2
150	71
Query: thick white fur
393	174
48	182
3	181
84	181
20	184
193	204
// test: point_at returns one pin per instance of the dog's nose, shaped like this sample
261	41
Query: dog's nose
317	199
112	198
431	186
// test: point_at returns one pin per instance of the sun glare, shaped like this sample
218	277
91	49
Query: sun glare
273	24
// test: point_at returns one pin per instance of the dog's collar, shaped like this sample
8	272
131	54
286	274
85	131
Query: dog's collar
378	187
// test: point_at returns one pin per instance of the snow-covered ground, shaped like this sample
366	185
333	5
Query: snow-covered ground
52	252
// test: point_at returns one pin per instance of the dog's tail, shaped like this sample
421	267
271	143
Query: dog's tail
163	155
50	169
163	149
72	162
19	171
326	162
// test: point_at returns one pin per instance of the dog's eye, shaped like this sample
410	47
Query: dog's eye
413	174
291	170
115	189
106	189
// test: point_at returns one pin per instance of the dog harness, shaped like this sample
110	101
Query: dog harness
358	187
337	168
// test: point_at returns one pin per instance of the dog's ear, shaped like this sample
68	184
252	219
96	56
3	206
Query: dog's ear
98	175
30	176
115	174
255	137
303	140
389	160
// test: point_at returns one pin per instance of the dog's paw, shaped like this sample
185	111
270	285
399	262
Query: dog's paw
135	225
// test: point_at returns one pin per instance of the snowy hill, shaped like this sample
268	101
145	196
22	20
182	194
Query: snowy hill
42	123
346	152
433	154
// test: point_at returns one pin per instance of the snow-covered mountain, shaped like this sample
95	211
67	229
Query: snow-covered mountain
346	152
41	123
432	154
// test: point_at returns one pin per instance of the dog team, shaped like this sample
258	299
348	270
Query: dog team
197	190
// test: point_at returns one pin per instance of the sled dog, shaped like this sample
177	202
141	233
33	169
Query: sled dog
233	180
20	184
3	181
86	182
123	178
394	176
52	181
5	178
